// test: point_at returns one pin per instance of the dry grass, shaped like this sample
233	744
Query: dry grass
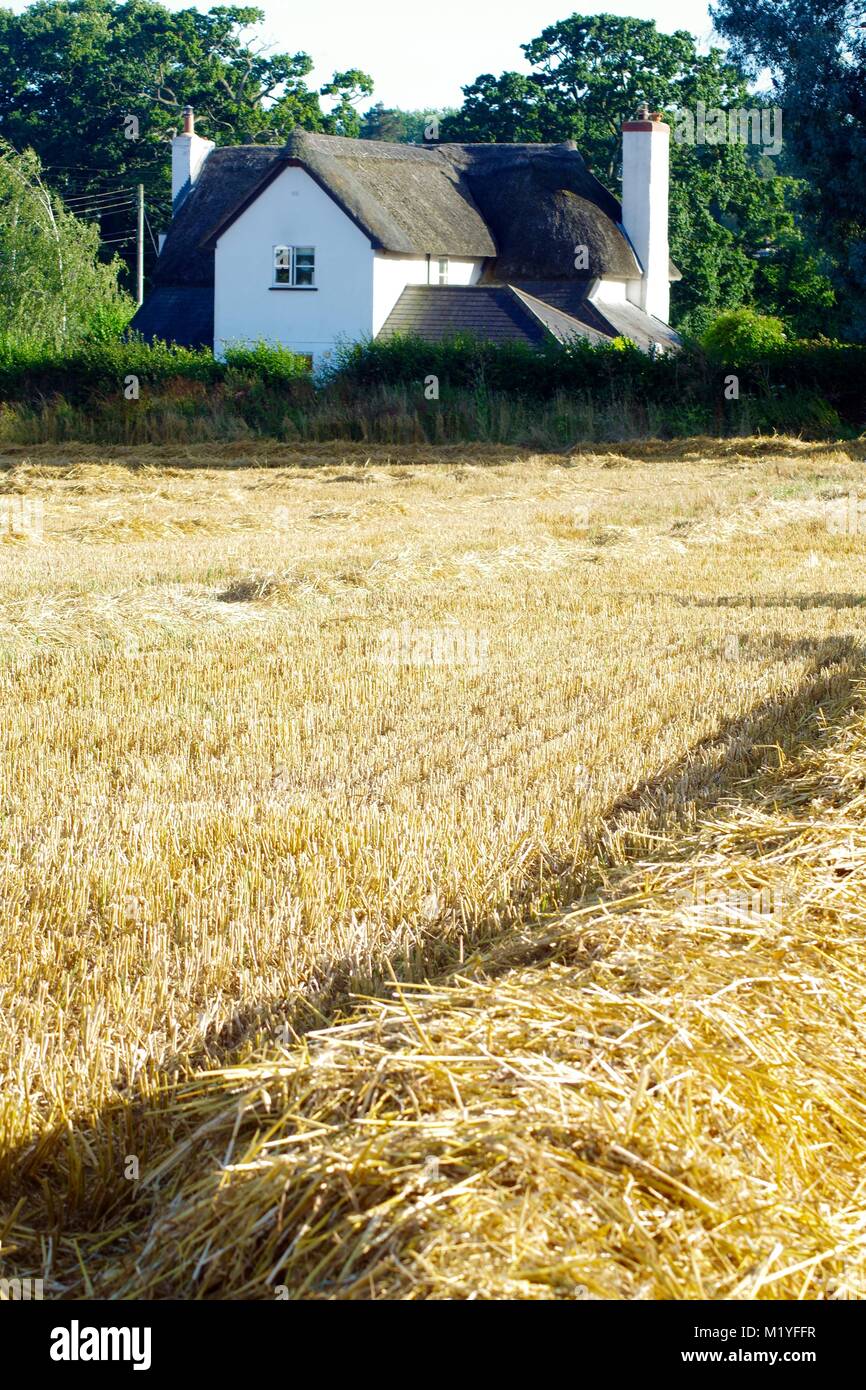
226	813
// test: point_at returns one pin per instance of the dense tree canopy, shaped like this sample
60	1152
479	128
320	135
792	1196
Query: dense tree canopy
390	123
73	73
815	51
734	221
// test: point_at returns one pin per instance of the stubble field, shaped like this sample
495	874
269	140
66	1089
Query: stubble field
433	873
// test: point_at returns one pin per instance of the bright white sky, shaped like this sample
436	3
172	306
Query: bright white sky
421	54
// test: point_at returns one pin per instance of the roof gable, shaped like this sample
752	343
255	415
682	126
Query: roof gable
404	198
526	206
229	174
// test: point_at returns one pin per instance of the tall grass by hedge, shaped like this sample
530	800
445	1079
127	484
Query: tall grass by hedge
381	391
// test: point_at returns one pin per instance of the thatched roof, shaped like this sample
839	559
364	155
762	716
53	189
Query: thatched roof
227	177
405	198
527	205
541	203
523	208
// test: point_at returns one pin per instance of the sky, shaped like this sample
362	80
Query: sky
421	54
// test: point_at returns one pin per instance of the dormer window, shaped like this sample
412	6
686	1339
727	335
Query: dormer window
443	270
295	267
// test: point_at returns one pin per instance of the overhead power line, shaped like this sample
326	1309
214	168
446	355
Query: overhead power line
108	207
99	202
92	169
98	197
99	207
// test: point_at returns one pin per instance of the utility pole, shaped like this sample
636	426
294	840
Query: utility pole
139	249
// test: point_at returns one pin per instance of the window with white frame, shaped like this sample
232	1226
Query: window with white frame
295	267
443	270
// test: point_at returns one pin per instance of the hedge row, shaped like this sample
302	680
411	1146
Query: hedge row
808	384
99	370
836	372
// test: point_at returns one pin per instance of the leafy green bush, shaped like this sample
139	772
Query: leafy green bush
670	389
101	365
108	322
743	336
270	362
31	371
465	362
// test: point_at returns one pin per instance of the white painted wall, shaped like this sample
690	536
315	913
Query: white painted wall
392	273
606	291
293	211
645	194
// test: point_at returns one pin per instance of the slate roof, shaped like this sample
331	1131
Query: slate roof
629	321
508	313
433	312
523	208
577	323
187	309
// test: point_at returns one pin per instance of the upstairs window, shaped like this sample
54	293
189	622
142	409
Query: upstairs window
295	266
443	270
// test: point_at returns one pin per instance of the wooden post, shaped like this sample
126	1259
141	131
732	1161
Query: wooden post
139	249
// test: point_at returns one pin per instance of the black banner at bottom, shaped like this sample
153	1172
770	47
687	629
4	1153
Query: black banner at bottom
82	1340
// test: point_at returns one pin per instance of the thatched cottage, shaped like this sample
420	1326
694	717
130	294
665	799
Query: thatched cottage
328	239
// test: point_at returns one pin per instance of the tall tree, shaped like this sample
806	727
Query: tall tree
815	51
96	87
53	287
591	72
391	123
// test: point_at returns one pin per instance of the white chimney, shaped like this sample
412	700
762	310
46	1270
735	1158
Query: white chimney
645	182
188	154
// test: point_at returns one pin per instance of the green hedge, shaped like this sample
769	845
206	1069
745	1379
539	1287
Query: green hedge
816	387
835	372
100	370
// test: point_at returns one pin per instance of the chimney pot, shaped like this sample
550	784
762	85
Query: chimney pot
188	121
